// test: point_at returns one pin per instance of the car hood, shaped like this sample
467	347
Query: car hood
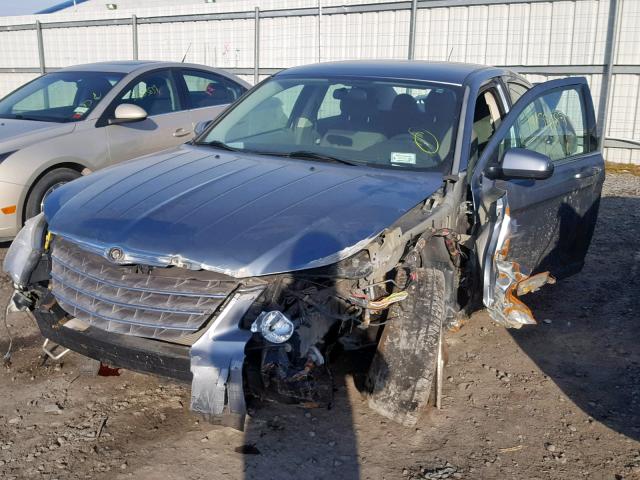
242	215
18	133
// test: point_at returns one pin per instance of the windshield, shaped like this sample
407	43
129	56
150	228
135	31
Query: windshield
59	96
383	123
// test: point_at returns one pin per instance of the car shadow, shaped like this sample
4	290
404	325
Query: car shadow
588	332
285	442
307	438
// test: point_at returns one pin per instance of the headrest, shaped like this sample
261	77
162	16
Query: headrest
340	93
154	85
404	103
440	104
482	111
99	86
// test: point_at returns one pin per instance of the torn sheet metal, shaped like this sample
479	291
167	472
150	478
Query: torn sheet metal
508	310
216	363
508	280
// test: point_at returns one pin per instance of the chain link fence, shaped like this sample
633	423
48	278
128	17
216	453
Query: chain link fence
542	39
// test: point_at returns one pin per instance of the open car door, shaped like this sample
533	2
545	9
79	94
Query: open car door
536	191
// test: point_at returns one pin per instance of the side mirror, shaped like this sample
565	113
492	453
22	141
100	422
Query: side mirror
201	127
520	163
128	113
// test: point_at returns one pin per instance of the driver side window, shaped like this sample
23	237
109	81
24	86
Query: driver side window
155	92
553	125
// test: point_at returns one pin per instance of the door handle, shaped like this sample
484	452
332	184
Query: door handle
588	172
181	132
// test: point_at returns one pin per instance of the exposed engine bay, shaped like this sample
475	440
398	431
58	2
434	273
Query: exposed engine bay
302	320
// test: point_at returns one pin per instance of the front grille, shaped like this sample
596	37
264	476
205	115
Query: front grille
166	303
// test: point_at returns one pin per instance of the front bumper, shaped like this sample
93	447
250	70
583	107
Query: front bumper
213	364
107	301
10	194
119	350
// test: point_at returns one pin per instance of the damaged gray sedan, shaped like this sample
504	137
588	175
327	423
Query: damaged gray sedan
336	207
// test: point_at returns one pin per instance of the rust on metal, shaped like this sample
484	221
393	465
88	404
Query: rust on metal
511	282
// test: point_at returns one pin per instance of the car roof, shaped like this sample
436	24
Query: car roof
128	66
120	67
442	72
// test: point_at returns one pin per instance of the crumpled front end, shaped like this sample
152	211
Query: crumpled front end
199	311
267	336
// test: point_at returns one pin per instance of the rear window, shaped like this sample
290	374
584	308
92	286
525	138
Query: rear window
208	89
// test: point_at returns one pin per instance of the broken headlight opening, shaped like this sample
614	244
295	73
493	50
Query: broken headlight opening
302	317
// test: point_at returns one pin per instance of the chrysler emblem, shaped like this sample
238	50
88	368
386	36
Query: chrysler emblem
115	254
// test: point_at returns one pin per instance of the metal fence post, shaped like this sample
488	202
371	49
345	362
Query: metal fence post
412	29
40	47
319	30
134	36
256	47
609	57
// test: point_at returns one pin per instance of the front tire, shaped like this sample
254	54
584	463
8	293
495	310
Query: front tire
44	186
402	376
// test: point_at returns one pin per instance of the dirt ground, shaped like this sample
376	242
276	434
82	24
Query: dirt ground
560	400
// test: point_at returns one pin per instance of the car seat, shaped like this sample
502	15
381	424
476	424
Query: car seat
91	91
441	112
355	111
403	116
353	128
219	94
157	97
482	128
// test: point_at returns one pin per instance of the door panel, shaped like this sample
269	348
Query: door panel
131	140
206	114
527	227
166	126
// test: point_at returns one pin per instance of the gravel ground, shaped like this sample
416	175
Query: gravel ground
556	401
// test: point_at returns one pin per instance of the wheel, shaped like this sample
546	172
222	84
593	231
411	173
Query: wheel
43	187
402	373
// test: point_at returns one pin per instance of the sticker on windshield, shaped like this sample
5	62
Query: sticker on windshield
404	158
79	112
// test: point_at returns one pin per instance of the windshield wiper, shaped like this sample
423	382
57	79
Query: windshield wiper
315	156
219	144
20	116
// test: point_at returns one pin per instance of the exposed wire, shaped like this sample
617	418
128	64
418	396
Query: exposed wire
322	309
386	302
384	282
7	356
